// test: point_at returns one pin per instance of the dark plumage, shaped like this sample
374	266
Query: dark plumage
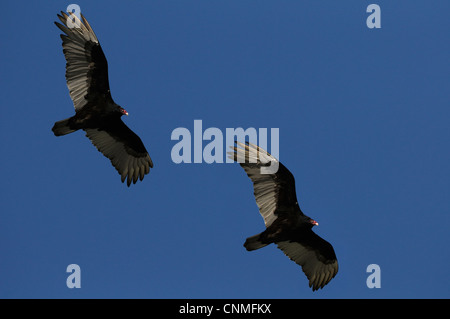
95	111
286	225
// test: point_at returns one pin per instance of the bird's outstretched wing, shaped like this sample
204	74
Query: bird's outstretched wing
86	65
273	192
315	255
124	148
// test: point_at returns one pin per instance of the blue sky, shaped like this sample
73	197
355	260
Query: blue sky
363	117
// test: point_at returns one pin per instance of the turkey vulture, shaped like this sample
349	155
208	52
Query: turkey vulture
286	225
95	111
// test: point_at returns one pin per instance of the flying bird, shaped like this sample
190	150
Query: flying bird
286	225
95	111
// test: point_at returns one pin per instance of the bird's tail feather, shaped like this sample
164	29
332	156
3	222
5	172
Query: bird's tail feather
254	242
62	128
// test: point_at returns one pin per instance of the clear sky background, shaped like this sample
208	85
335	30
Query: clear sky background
363	116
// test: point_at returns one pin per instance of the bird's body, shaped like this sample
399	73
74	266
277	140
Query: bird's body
286	225
95	111
93	115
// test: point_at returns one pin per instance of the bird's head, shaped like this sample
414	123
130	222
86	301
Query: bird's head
123	111
313	222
